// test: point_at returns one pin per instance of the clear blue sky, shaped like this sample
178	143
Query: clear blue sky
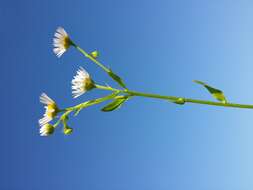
156	46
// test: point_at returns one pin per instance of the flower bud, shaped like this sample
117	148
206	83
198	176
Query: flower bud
67	130
94	54
179	101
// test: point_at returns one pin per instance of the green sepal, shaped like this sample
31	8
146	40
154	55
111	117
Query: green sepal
216	93
116	78
118	101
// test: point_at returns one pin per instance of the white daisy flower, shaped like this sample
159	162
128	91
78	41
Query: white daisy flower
61	42
51	109
46	130
81	83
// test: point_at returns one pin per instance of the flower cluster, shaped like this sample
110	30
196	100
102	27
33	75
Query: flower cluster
81	83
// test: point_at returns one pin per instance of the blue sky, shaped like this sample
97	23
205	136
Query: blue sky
156	46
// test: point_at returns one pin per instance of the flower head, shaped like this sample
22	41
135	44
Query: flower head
46	130
81	83
51	109
61	42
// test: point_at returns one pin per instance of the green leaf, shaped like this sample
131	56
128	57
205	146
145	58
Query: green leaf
93	102
216	93
115	104
116	78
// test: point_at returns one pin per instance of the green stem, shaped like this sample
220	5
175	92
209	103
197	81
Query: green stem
175	98
108	88
91	102
77	108
91	58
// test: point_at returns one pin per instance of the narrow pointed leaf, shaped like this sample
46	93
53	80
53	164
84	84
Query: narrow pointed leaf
115	104
95	101
78	111
216	93
116	78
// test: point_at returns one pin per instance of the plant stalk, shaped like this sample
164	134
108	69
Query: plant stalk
91	58
175	98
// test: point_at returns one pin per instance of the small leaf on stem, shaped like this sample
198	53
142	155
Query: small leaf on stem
115	104
116	78
93	102
216	93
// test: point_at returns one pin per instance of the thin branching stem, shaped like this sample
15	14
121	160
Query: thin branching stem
92	59
175	98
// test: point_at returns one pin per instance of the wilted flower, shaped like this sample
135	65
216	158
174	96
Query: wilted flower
61	42
51	109
81	83
46	130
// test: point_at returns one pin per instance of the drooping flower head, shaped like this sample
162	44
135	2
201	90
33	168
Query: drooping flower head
46	130
51	109
61	42
81	83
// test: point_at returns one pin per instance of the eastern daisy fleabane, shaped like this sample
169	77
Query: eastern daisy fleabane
61	42
51	109
46	130
81	83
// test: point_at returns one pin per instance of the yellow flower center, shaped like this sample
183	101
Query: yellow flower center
88	84
51	111
67	42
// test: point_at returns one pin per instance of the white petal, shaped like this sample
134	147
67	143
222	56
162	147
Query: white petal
44	99
44	120
61	31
